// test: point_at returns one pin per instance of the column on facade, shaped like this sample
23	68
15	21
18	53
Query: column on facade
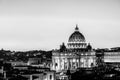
77	62
55	61
94	61
53	64
65	63
74	62
58	62
69	64
62	63
71	61
82	61
87	61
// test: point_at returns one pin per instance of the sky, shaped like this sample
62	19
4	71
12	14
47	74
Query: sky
45	24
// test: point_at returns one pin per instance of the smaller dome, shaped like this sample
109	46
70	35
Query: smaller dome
62	47
89	47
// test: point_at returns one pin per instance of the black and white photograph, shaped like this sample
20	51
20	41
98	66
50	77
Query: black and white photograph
59	39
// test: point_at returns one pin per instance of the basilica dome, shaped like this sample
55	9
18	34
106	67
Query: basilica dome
76	36
76	39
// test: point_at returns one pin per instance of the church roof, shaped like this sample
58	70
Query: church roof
76	36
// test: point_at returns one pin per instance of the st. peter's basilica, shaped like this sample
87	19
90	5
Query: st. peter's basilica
76	54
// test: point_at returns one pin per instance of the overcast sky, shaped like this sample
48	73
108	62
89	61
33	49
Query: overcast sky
45	24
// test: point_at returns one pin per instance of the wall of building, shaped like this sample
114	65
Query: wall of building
112	57
72	61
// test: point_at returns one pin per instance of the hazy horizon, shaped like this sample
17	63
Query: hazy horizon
45	24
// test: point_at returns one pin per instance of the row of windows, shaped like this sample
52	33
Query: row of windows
76	40
80	46
112	53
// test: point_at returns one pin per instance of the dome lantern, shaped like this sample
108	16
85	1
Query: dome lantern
76	28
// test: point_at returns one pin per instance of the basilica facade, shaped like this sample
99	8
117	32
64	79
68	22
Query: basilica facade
76	54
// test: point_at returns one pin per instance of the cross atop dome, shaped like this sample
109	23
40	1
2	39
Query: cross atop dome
76	28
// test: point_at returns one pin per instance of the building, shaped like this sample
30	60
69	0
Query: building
112	57
109	56
34	61
76	54
49	75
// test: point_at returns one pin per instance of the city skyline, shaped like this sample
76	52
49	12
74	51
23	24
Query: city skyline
45	24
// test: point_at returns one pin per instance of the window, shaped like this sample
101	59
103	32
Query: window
50	77
56	64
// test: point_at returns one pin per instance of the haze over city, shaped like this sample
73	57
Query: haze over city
45	24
